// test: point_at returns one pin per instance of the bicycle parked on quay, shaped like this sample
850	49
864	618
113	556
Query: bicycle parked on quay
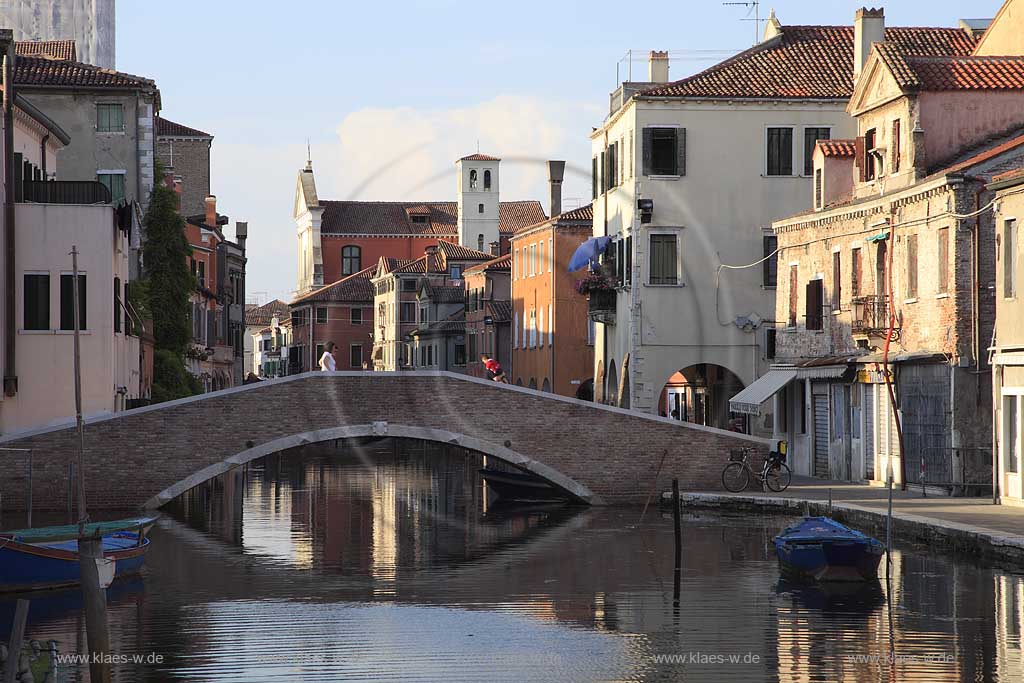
774	473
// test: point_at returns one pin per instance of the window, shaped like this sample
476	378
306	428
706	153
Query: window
515	264
117	304
533	328
627	266
455	271
837	281
855	272
770	268
109	118
1011	434
813	305
37	301
129	328
408	285
356	316
408	312
551	325
479	208
113	182
533	260
895	158
540	327
629	168
201	273
551	253
817	188
664	151
424	314
769	342
793	274
479	242
420	218
351	259
487	180
664	260
591	331
780	151
515	330
1010	258
811	137
321	315
869	159
801	407
355	356
911	266
67	298
594	179
943	261
460	353
540	257
472	179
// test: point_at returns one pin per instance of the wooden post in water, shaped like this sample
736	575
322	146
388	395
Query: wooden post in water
90	548
17	637
678	575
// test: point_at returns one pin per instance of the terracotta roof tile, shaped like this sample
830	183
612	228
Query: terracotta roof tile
837	148
964	73
262	315
394	218
479	157
42	72
985	154
50	49
501	311
581	215
445	294
165	127
457	252
356	287
500	263
807	62
1008	175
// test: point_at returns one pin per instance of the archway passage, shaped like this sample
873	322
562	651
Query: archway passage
149	455
699	394
611	389
585	392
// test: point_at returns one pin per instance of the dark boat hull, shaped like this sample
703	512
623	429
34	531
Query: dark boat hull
29	566
820	549
512	486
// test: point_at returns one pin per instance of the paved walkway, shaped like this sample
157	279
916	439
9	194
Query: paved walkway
963	523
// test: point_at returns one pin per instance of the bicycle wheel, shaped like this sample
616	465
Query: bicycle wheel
779	478
735	477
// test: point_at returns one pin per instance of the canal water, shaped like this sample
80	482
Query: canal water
389	562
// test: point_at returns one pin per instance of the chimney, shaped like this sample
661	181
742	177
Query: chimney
868	28
211	210
556	171
431	253
241	233
495	249
657	67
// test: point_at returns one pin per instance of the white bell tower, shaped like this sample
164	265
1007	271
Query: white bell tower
478	201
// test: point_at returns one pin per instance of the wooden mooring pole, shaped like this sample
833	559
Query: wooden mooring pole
17	638
677	523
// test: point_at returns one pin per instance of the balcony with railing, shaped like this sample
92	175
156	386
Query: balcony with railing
601	305
62	192
871	315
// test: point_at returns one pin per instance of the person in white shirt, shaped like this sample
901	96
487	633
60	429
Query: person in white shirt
327	362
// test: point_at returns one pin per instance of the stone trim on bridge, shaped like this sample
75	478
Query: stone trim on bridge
382	429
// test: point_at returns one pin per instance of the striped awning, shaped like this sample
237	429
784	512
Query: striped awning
750	399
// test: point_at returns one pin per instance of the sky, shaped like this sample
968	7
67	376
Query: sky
390	94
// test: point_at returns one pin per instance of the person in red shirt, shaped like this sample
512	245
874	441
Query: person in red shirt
493	367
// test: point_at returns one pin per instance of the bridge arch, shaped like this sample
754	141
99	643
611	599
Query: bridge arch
379	429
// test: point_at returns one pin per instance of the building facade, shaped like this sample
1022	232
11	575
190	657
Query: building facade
341	313
553	336
489	314
692	313
258	318
185	153
339	238
883	301
439	340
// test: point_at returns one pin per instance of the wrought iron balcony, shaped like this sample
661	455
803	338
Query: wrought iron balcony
601	306
871	315
64	192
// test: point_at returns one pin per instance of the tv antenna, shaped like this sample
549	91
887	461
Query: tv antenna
754	7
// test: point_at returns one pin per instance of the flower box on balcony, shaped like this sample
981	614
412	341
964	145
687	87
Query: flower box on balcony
601	305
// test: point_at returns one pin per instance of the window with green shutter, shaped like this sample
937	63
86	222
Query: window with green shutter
664	260
109	118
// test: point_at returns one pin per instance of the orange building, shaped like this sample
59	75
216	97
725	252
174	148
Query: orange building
552	336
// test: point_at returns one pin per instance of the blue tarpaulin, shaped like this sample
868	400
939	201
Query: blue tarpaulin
588	252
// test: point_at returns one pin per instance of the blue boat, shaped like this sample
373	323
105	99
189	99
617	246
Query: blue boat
45	558
822	549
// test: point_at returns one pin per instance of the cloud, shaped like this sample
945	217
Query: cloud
400	153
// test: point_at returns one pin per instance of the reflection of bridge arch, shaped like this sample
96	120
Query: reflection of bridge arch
441	436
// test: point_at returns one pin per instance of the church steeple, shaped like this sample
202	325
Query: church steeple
478	191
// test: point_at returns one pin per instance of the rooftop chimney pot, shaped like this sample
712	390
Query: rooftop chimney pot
657	67
868	28
211	210
556	172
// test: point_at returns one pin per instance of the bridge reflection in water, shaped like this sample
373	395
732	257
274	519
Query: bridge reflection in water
388	561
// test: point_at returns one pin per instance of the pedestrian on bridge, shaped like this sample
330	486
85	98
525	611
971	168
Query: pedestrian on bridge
327	361
493	367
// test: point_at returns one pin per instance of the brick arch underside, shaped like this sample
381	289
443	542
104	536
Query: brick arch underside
576	490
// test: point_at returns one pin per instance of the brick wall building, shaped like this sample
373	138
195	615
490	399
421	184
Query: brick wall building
900	272
185	153
341	312
489	314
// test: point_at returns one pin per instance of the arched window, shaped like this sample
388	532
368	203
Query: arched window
487	180
479	242
472	179
351	259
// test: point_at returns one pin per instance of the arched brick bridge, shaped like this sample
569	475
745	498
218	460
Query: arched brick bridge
147	456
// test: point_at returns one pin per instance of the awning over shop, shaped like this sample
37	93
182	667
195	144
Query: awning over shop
750	399
884	235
